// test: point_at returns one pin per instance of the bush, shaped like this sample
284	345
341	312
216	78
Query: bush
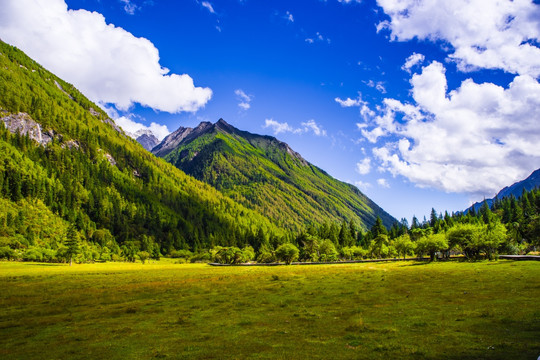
32	254
266	255
353	253
287	252
49	255
204	256
232	254
143	256
7	253
181	254
431	244
116	257
327	251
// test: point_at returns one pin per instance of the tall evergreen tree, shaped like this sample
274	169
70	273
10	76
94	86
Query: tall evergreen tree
378	228
433	217
72	243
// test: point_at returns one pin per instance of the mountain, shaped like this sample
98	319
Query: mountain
65	163
516	189
266	175
146	138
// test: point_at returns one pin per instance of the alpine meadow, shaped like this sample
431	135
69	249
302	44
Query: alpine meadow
337	179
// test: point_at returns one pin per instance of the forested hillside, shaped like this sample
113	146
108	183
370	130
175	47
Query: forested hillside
64	163
266	175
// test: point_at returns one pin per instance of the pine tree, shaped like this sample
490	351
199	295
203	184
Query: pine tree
72	243
378	228
433	218
352	230
415	224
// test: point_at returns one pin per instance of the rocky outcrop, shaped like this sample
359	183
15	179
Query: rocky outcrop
71	144
62	89
94	112
174	139
25	125
113	124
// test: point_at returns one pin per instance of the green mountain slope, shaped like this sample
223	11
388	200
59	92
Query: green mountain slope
265	174
61	153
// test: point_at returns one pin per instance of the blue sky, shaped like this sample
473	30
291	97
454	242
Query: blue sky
421	104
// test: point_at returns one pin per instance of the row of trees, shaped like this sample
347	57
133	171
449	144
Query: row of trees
511	227
475	235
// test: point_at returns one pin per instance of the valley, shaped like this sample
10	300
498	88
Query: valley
451	310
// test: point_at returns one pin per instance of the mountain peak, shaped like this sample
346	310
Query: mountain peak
263	172
223	125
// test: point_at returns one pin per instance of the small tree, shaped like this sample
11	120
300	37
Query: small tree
143	256
266	255
404	245
431	244
72	243
328	251
287	252
379	246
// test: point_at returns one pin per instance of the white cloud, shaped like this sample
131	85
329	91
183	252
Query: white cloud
378	85
307	126
278	127
475	139
349	1
129	7
208	6
313	126
365	111
289	17
383	183
363	167
107	63
318	37
349	102
362	185
245	99
489	34
160	131
412	61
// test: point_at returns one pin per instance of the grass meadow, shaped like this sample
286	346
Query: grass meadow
446	310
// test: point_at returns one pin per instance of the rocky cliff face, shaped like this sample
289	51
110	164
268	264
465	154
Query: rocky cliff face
25	125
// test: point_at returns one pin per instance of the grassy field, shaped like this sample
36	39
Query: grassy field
484	310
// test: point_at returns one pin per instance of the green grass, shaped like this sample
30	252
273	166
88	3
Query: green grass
485	310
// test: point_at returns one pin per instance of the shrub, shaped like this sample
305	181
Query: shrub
266	255
327	250
203	256
7	253
287	252
143	256
431	244
184	254
32	254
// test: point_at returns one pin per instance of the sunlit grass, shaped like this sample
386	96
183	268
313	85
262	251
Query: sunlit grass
165	310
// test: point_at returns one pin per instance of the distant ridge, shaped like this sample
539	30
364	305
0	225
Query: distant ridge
516	189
